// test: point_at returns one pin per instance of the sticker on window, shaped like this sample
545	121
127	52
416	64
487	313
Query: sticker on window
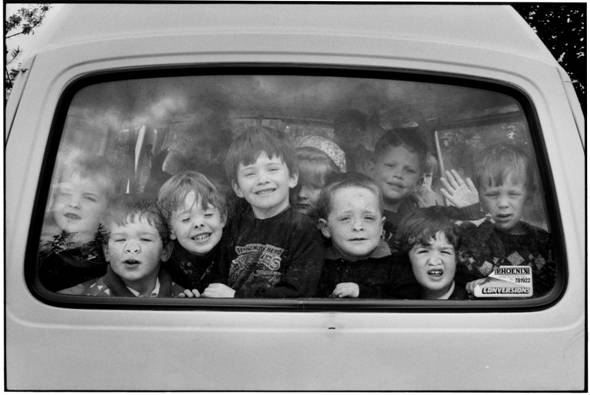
506	281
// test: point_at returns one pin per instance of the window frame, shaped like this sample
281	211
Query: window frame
298	304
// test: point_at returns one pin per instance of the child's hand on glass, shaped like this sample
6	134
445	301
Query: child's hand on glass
346	290
425	196
189	293
458	192
470	286
218	290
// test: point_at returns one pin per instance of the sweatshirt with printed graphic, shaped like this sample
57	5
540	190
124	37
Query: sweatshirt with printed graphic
278	257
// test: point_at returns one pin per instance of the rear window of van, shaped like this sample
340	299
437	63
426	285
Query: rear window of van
296	188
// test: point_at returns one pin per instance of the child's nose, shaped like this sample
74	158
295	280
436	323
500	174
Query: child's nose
132	247
357	225
74	201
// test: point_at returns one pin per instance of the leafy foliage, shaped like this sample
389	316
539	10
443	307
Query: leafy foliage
562	28
23	22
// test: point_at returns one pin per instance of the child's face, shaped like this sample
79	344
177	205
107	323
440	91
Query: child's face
197	230
265	185
355	222
505	202
397	172
79	204
134	250
307	198
434	265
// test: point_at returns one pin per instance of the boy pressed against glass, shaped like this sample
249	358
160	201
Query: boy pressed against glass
69	251
135	243
398	167
196	213
430	239
271	250
505	179
359	264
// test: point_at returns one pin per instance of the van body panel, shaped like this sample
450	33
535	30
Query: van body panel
59	348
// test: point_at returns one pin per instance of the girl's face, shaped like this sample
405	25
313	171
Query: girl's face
312	178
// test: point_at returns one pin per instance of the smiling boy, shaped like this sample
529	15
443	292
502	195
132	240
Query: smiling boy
135	244
196	213
271	250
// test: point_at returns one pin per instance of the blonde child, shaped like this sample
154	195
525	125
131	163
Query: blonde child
196	213
69	251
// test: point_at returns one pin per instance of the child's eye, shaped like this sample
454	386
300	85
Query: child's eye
369	218
515	194
411	170
146	239
90	198
208	215
491	195
343	219
448	252
421	251
119	240
185	220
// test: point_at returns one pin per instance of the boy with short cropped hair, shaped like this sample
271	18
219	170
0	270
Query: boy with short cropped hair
196	213
505	181
359	264
69	251
430	240
135	243
398	167
272	251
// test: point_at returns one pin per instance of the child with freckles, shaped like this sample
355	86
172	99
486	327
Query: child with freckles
196	213
359	264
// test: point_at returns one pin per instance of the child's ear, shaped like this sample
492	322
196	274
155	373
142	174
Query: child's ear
293	179
237	189
166	252
323	225
172	234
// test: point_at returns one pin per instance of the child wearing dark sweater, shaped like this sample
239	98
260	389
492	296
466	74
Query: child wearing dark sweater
505	180
271	250
196	213
359	264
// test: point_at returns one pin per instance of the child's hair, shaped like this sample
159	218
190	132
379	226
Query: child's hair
246	148
124	209
91	167
408	138
421	225
315	167
496	162
346	180
172	194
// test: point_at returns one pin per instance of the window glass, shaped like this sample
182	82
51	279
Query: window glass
296	186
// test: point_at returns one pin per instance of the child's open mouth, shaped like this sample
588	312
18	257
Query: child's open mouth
131	262
436	273
201	236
